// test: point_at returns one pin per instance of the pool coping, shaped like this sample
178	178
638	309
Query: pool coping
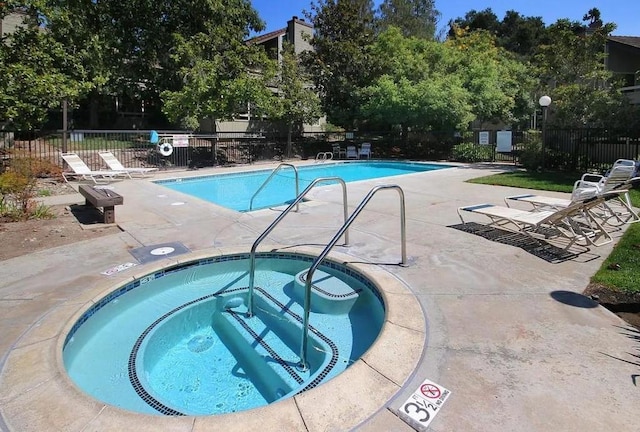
37	379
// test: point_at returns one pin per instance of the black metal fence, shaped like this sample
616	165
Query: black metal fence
590	149
570	150
185	149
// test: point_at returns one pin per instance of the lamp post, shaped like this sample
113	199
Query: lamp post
544	102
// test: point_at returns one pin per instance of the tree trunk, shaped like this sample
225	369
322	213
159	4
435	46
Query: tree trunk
289	143
404	135
94	121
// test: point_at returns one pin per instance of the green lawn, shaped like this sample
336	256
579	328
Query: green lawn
621	270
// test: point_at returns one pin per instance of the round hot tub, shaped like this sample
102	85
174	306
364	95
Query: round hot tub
179	341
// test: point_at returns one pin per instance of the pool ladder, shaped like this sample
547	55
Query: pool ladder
324	156
252	255
284	164
303	365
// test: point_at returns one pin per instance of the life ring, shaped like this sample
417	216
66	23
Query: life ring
165	149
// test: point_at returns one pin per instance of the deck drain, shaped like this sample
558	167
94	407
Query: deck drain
162	251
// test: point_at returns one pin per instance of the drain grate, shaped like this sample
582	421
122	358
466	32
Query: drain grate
151	253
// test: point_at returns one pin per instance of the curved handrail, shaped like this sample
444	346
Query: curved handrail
271	176
252	255
303	365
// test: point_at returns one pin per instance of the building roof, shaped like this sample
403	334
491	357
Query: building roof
633	41
267	36
276	33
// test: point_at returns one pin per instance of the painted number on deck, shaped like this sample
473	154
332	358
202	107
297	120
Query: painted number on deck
422	406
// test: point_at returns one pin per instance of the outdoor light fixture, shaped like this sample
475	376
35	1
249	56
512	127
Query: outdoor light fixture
544	102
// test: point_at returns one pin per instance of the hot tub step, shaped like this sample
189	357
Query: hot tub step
329	294
269	340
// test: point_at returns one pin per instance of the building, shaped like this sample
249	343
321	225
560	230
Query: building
623	59
11	22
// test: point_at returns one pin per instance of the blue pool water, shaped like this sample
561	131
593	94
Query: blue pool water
235	191
176	343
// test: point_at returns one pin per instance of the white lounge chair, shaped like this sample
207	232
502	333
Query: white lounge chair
607	211
618	177
352	153
365	150
574	223
115	165
81	171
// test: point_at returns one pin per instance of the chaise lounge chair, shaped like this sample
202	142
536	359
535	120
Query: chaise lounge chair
81	171
618	179
575	223
115	165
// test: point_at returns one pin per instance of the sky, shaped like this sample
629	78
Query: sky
625	13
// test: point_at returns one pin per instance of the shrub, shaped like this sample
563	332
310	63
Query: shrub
530	154
470	152
17	190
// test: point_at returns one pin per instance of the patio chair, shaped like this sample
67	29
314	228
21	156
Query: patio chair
607	212
115	165
365	150
352	153
574	223
338	152
81	171
618	177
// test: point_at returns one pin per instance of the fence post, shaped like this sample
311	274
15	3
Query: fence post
64	125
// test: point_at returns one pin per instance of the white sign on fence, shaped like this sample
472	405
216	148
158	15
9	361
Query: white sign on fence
180	140
423	405
483	137
503	139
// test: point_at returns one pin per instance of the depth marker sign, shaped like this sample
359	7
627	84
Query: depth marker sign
423	405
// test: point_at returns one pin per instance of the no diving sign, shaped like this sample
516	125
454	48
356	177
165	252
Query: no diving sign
423	405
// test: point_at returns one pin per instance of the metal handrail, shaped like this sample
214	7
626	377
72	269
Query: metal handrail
271	176
252	255
303	365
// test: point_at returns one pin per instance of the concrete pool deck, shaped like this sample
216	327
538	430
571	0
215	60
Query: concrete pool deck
505	331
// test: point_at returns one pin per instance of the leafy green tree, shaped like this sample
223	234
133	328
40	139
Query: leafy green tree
38	72
427	85
217	74
572	71
416	18
341	62
521	35
516	33
499	84
296	101
418	88
476	20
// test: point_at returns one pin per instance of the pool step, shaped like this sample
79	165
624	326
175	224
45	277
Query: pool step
270	342
329	294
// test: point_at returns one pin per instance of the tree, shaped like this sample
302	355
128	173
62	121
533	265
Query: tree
572	71
499	84
427	85
476	20
516	33
341	62
38	72
217	73
296	102
418	88
416	18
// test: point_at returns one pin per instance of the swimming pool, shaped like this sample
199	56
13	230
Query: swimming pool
235	191
176	342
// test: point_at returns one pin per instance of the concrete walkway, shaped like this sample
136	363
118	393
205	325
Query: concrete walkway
505	331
